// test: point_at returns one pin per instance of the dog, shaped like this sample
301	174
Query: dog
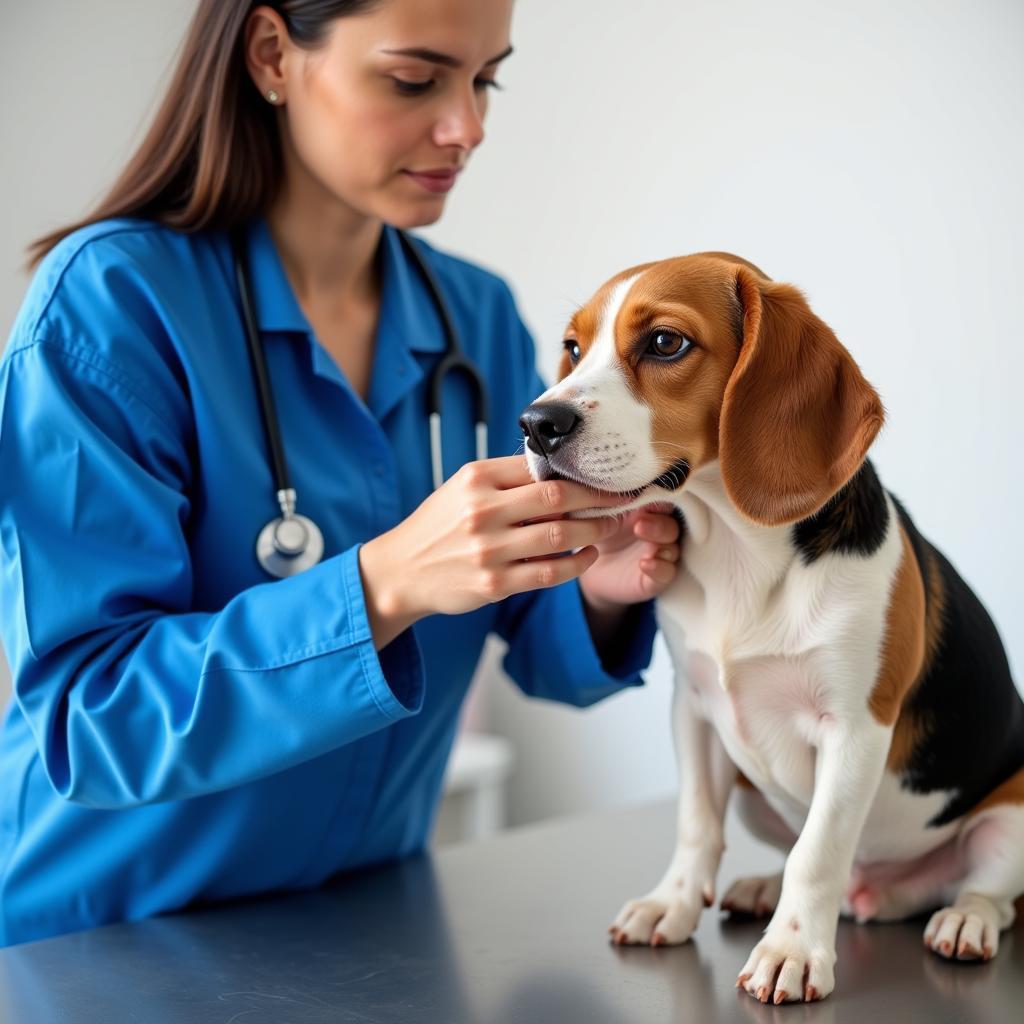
832	670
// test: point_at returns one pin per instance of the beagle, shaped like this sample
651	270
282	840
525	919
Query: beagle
832	669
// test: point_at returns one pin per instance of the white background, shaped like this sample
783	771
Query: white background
870	153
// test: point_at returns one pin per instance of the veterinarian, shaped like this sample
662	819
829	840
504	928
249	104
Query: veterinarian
240	609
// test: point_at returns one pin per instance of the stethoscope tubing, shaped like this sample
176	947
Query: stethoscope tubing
257	357
276	561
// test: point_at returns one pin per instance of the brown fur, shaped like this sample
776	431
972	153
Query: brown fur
798	415
903	646
909	727
1011	791
686	296
586	321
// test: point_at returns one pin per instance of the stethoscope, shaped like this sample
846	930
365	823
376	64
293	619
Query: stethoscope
292	543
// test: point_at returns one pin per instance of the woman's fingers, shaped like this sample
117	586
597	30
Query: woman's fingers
507	471
554	536
661	572
661	529
548	572
669	553
551	498
503	492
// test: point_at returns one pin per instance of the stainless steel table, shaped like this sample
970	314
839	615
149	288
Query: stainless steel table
512	929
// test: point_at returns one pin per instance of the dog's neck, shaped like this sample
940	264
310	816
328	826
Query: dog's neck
723	547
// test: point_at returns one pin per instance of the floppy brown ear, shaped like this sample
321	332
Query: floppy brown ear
798	415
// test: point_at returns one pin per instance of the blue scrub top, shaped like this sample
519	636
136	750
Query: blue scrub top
183	727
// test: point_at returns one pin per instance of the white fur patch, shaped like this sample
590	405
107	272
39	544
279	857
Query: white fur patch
610	449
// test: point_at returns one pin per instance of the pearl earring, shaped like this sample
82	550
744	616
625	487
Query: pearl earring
273	96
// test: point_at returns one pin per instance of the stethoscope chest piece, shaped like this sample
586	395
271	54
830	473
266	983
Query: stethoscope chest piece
291	543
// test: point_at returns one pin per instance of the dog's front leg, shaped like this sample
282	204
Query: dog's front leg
795	959
668	914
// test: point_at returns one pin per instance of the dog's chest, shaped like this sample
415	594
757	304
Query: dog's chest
761	668
768	714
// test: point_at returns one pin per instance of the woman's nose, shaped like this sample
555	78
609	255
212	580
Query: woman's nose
463	122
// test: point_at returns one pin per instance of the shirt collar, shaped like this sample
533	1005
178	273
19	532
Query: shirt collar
277	309
407	314
407	310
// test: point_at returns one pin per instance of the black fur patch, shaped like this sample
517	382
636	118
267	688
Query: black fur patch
853	522
970	713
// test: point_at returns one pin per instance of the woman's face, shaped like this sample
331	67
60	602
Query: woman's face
365	121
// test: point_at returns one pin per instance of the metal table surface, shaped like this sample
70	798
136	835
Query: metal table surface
511	929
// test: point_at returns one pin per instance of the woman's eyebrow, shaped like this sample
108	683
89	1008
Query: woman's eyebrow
442	58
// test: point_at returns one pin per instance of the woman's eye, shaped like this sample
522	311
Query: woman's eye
668	343
412	88
408	88
573	348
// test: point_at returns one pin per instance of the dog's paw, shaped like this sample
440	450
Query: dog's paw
660	919
967	931
757	895
788	966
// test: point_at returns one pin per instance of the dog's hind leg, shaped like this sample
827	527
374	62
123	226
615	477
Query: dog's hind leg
993	848
894	891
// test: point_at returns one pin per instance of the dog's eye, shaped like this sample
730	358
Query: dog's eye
573	348
668	344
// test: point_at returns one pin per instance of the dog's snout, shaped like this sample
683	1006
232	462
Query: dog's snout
547	425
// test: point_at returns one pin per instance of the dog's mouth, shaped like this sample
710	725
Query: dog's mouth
671	480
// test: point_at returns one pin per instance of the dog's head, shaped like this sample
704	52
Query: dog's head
676	364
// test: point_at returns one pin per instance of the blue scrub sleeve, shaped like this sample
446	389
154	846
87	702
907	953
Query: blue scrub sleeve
131	696
551	653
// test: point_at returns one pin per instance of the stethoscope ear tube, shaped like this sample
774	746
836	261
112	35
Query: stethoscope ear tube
454	359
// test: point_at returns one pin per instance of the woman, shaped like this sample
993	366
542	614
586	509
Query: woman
186	727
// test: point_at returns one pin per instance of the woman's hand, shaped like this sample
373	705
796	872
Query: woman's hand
636	562
466	544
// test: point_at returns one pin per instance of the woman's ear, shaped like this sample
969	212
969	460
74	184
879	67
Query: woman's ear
266	42
798	415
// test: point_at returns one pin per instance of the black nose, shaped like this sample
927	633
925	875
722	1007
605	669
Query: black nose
547	425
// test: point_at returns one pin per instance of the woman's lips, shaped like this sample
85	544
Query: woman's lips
434	181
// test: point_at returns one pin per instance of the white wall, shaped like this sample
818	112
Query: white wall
865	151
870	153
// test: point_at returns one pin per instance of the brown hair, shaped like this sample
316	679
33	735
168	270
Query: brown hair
212	156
